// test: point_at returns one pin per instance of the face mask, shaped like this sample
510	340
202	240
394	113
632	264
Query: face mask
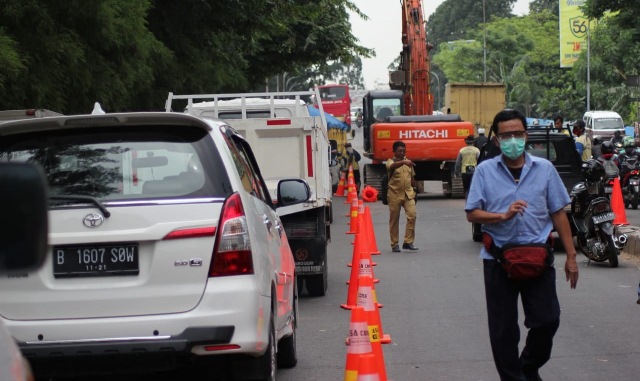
512	148
349	150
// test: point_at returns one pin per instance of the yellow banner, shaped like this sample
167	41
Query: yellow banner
573	31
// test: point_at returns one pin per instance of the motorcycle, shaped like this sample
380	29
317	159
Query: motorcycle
631	185
359	121
592	219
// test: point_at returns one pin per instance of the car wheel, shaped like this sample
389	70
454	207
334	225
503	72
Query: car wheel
287	352
268	361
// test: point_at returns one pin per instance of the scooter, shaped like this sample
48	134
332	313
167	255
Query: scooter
592	220
359	121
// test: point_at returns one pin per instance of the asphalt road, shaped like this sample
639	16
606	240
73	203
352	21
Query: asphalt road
434	307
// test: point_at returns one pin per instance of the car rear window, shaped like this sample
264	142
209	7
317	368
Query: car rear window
122	163
540	150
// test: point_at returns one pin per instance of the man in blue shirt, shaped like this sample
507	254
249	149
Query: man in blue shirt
520	198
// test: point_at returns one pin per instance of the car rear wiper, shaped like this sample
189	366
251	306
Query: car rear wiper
89	199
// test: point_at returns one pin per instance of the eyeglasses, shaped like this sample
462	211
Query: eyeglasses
512	134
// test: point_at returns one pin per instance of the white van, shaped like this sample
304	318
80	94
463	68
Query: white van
602	123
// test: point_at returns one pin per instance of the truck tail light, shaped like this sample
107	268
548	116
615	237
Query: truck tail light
232	251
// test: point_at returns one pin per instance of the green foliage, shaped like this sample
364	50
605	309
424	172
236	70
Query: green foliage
455	19
628	13
128	54
551	6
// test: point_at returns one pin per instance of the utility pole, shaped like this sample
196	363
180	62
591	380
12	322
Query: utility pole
484	43
589	65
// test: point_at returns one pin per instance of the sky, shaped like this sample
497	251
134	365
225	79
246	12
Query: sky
382	32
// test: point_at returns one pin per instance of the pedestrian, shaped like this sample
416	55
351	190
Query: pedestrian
401	193
595	147
558	120
617	138
518	198
466	162
481	140
351	157
583	143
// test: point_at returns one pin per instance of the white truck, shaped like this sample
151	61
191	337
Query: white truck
288	143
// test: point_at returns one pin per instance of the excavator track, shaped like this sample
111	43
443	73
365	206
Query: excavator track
373	174
457	190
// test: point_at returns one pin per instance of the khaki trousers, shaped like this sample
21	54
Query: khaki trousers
409	205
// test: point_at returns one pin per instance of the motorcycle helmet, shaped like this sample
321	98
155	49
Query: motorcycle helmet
592	170
607	147
628	141
597	140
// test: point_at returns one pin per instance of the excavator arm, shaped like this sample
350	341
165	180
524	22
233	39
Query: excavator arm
412	76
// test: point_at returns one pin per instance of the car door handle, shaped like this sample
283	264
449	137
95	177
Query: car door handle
279	227
267	222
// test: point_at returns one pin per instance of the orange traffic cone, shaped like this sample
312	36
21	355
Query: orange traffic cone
370	194
361	257
340	190
357	343
367	368
617	204
371	234
366	300
353	222
351	186
361	266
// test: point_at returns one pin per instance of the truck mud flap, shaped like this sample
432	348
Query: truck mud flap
310	255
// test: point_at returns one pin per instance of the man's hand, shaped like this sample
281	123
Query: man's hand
409	163
571	271
517	207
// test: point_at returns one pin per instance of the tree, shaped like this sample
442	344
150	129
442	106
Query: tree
128	54
551	6
522	53
455	19
627	13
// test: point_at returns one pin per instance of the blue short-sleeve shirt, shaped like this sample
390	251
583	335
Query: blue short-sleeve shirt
493	189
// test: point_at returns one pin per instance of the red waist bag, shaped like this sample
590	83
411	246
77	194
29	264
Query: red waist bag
520	261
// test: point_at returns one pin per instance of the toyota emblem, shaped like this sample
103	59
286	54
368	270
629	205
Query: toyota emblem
93	220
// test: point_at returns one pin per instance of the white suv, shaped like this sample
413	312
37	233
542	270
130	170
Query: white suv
164	245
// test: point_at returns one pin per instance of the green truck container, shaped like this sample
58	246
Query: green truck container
476	102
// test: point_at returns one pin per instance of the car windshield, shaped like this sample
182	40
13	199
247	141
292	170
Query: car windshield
123	163
608	124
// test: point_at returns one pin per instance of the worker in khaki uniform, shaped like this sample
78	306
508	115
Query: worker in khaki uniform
466	162
401	193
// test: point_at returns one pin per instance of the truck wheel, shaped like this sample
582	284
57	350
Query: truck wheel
317	284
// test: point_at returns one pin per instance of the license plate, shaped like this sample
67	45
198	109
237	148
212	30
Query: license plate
608	189
603	217
95	260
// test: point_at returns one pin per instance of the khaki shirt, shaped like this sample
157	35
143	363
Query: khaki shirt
400	181
586	144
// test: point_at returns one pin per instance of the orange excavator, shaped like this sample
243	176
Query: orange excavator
406	113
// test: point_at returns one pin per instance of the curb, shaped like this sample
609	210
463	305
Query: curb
632	247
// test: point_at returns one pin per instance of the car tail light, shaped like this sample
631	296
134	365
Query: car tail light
232	252
208	231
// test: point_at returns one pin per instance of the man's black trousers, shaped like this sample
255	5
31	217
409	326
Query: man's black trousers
542	318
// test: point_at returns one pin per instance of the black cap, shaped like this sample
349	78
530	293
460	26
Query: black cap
579	123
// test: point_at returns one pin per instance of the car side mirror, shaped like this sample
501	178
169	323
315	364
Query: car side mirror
293	191
24	228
